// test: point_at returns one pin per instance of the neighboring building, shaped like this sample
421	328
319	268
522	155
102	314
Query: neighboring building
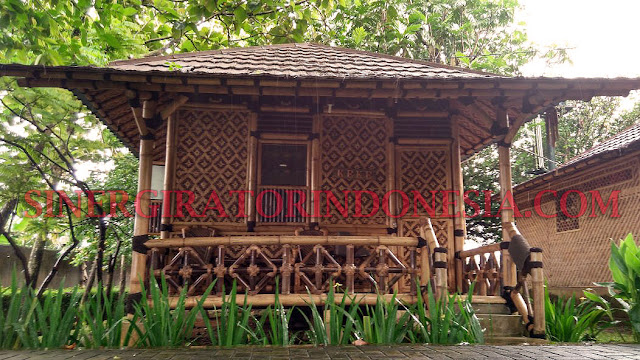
577	249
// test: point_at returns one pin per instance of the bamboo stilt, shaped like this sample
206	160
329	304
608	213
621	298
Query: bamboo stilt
509	269
460	227
538	293
141	223
440	269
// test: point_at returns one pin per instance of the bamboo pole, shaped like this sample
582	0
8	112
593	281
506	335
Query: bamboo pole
264	300
169	173
316	168
440	268
481	250
252	172
507	214
391	175
460	226
538	293
141	223
283	240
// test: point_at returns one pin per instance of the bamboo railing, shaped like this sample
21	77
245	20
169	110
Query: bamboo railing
499	278
358	265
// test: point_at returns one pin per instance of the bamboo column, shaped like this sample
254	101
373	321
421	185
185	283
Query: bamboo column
391	176
252	173
440	268
537	283
316	169
169	174
141	221
460	226
504	160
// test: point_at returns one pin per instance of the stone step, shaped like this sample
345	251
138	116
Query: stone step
501	325
491	309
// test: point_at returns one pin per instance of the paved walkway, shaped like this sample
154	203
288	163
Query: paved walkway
564	352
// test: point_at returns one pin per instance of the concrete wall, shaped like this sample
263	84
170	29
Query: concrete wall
72	275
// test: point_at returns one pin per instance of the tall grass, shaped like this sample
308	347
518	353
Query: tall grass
101	320
339	326
384	323
33	323
157	324
273	326
445	320
232	322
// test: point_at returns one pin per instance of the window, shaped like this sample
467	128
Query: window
284	165
283	168
564	222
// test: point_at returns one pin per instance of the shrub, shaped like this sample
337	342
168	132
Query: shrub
447	320
157	324
569	321
624	265
101	320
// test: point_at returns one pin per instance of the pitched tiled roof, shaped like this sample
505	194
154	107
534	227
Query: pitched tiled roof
621	141
304	60
620	144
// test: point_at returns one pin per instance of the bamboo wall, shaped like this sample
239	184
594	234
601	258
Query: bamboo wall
356	152
576	251
212	155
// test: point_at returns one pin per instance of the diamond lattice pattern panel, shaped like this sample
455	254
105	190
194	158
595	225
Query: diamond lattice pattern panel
354	158
212	155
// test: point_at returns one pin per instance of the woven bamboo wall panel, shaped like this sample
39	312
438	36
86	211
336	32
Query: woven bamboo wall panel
425	169
354	158
212	155
578	258
442	227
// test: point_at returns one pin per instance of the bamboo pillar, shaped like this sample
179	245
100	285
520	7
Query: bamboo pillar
537	282
440	269
316	169
391	177
252	173
509	268
460	226
169	174
141	223
504	153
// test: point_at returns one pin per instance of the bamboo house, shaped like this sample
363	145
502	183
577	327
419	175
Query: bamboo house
578	248
298	125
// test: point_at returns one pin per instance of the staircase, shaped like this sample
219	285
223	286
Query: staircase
502	327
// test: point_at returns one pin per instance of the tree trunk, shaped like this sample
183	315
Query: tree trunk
35	258
90	280
123	276
5	214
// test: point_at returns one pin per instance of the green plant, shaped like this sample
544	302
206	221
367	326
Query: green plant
232	321
12	312
157	324
624	265
45	323
382	323
341	320
448	320
101	319
569	321
273	326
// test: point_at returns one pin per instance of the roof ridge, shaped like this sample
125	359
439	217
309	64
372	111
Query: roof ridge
603	143
303	44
